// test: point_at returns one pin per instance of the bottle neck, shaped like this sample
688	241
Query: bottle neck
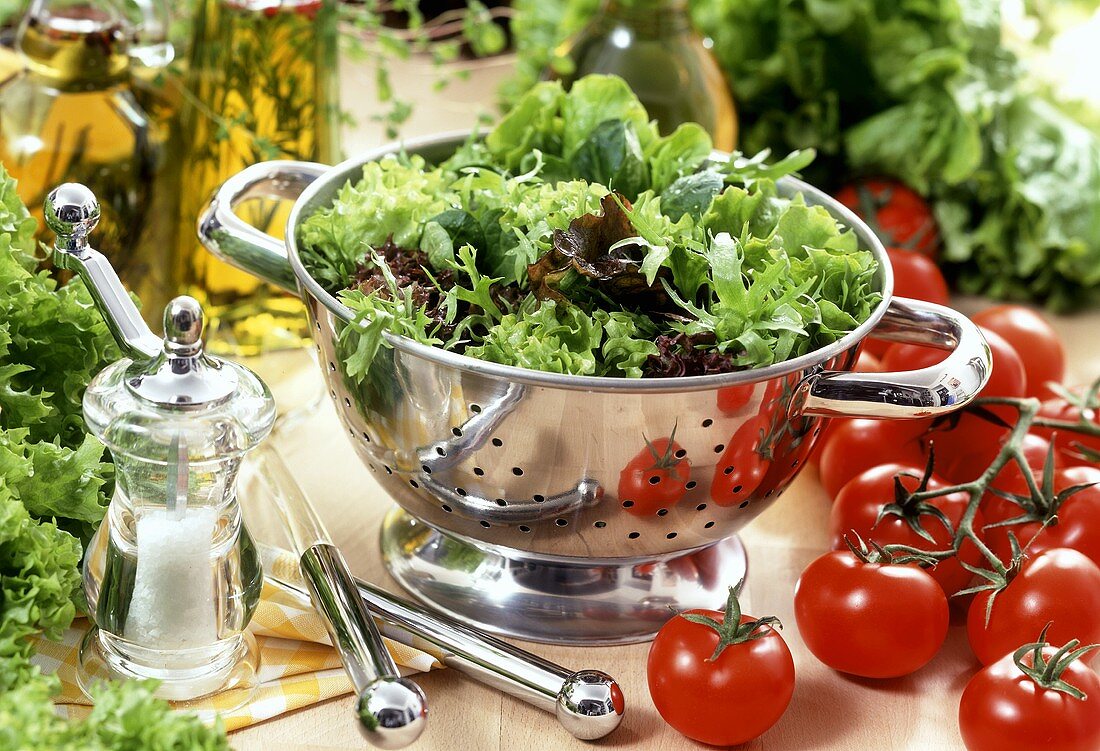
75	48
663	16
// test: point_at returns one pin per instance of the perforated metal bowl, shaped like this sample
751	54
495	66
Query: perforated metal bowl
523	513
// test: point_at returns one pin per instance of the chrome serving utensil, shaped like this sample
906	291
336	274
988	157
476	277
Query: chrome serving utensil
587	703
514	516
392	710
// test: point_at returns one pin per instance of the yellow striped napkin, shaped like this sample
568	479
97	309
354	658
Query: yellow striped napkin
297	666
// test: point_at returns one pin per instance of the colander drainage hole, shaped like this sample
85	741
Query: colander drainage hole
524	528
719	448
681	454
475	408
461	491
387	468
347	402
333	392
708	422
332	366
662	512
769	494
794	463
479	471
538	498
634	535
708	525
600	525
497	442
728	470
414	483
456	432
701	507
628	504
691	485
446	508
654	480
501	502
366	436
670	536
517	471
440	450
738	488
561	522
744	504
485	524
426	468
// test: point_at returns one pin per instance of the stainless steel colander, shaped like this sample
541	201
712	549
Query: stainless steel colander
525	505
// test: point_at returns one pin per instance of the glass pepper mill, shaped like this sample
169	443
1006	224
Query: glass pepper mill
172	576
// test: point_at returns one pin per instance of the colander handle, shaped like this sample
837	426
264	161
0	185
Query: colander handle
237	242
928	392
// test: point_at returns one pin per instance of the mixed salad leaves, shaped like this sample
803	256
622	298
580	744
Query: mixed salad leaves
575	239
54	486
926	92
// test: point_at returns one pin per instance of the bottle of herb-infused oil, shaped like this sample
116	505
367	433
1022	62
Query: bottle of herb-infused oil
261	86
652	45
71	115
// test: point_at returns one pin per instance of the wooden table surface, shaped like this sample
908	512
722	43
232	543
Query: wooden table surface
828	711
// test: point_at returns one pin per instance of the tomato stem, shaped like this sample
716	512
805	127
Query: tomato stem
730	630
1047	673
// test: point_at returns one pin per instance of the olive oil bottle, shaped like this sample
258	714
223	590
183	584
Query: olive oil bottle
71	114
652	45
261	86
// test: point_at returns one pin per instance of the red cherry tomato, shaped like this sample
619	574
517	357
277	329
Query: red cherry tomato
896	213
869	619
858	506
1037	343
917	277
742	466
724	701
1069	444
1002	709
856	445
1076	525
1059	586
656	478
868	363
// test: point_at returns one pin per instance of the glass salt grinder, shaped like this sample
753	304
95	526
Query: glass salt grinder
171	577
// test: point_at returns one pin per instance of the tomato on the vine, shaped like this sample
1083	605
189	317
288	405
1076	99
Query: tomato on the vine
1075	522
854	446
876	620
1060	586
742	465
721	678
1036	698
656	478
1033	338
870	505
897	214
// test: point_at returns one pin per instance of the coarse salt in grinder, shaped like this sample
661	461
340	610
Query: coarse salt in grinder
171	577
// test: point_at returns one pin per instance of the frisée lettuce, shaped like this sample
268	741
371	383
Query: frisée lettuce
574	238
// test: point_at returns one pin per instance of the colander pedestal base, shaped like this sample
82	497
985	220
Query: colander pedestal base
507	592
